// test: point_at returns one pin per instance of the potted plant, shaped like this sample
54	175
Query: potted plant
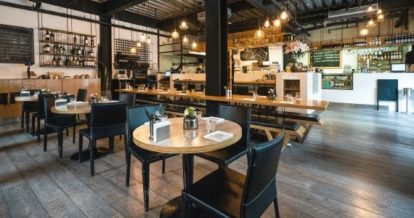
190	119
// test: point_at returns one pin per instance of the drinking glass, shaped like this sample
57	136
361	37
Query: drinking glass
199	115
210	125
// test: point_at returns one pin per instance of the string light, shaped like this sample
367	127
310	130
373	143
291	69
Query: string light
185	39
175	34
267	23
194	45
371	23
363	32
183	25
284	16
277	23
380	18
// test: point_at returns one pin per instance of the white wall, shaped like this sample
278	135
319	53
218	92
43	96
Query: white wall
29	19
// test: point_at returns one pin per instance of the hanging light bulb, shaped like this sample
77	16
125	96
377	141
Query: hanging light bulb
284	16
185	39
267	23
380	18
363	32
277	22
148	39
194	45
183	25
142	37
139	44
259	34
133	50
371	23
379	11
175	34
370	8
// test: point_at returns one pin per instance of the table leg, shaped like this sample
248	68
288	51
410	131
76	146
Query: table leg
188	170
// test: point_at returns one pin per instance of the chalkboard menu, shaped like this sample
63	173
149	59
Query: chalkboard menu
326	58
16	44
260	54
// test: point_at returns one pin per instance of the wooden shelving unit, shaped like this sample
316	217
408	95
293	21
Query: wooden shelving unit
75	50
291	86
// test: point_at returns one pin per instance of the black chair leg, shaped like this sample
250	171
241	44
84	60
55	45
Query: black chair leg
74	134
128	169
145	183
80	147
33	125
275	204
38	129
67	132
27	122
60	143
92	156
22	119
163	166
45	140
111	144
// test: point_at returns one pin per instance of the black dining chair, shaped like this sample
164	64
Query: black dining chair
225	156
38	116
106	121
137	116
28	108
227	193
82	94
127	98
55	122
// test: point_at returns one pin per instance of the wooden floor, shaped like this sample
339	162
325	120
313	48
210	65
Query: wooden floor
359	164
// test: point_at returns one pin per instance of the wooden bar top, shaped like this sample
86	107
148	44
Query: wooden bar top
243	99
264	82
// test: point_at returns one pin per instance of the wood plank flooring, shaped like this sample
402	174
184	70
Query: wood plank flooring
359	164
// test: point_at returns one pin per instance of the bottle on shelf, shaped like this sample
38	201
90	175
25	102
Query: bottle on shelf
79	51
47	36
55	49
75	39
77	61
52	36
54	61
86	41
62	50
46	48
67	62
92	41
59	61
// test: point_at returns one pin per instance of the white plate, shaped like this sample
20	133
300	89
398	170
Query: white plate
219	136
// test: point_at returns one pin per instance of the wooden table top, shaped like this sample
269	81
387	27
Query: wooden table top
74	109
242	99
264	82
186	141
26	98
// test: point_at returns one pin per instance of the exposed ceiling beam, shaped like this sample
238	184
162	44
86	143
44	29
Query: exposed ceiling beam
281	7
265	9
114	6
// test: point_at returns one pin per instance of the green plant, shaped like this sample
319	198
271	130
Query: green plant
190	111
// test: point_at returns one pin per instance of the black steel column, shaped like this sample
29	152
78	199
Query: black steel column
105	48
216	50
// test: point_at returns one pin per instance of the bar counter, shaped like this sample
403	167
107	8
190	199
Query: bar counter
242	99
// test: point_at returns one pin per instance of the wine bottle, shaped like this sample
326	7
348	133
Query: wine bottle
92	41
46	48
78	51
61	51
75	39
55	49
86	42
54	61
47	36
67	62
59	61
52	36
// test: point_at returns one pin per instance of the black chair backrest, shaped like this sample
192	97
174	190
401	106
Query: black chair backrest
262	90
127	98
48	103
137	116
241	90
260	186
239	115
69	98
108	115
81	96
41	104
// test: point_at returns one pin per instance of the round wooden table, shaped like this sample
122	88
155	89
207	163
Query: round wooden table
31	98
187	143
74	109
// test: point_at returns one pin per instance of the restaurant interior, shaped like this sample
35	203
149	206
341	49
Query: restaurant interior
206	108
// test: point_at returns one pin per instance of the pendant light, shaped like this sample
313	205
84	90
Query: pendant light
174	33
371	23
259	34
370	8
379	11
148	39
183	25
363	32
277	23
380	18
284	16
194	43
185	39
267	23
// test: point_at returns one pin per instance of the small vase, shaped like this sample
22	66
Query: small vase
190	123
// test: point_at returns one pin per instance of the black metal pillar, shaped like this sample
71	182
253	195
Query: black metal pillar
216	50
105	52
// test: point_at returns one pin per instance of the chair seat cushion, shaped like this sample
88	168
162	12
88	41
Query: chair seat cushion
225	155
221	189
146	156
287	125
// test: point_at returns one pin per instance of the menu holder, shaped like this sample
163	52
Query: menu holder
161	131
25	93
61	104
218	136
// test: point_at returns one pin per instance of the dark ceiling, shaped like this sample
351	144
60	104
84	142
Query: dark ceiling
246	14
